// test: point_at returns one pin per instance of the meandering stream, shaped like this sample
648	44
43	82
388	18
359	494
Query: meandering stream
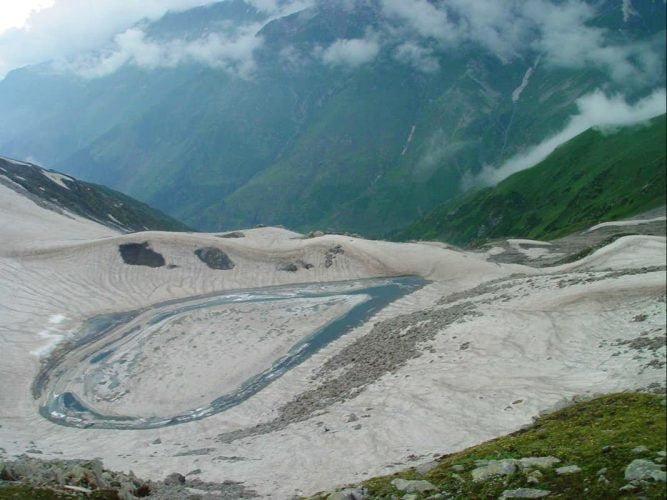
100	336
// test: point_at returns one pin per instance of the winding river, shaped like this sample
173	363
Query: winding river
100	336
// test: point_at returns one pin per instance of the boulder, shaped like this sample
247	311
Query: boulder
539	462
569	469
644	469
525	493
413	486
494	468
174	478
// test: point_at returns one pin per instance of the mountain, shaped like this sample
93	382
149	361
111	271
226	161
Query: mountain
302	133
64	194
599	175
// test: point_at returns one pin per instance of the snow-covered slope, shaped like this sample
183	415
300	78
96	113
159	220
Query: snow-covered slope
477	352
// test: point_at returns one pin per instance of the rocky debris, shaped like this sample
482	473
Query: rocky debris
385	349
355	493
89	476
292	267
525	493
331	254
640	469
568	469
494	468
215	258
413	486
139	254
233	234
639	449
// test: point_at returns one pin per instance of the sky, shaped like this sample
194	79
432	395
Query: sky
94	38
15	14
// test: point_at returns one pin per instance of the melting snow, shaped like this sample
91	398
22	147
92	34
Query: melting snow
57	178
625	223
628	10
15	162
52	334
524	83
407	144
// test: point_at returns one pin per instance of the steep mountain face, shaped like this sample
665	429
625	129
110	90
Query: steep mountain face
58	192
333	124
597	176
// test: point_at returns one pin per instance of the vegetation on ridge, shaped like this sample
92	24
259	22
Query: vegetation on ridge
601	436
597	176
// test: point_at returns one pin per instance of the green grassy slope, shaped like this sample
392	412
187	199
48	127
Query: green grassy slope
600	436
596	176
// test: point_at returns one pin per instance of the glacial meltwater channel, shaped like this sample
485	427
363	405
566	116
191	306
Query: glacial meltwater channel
101	336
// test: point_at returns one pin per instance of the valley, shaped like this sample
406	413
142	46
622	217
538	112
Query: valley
333	249
475	351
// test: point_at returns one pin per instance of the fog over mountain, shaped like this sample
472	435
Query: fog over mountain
353	115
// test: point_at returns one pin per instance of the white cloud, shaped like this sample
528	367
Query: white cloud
414	31
426	18
560	31
232	52
420	58
71	27
16	14
595	110
351	52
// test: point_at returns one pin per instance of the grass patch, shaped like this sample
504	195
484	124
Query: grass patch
594	435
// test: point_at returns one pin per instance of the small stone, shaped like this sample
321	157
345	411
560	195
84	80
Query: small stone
640	449
352	418
628	487
662	453
410	496
412	486
569	469
603	480
607	449
458	468
157	441
174	478
602	471
644	469
525	493
532	480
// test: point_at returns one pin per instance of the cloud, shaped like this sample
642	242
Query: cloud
562	32
595	110
428	19
71	27
351	52
233	52
414	32
420	58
